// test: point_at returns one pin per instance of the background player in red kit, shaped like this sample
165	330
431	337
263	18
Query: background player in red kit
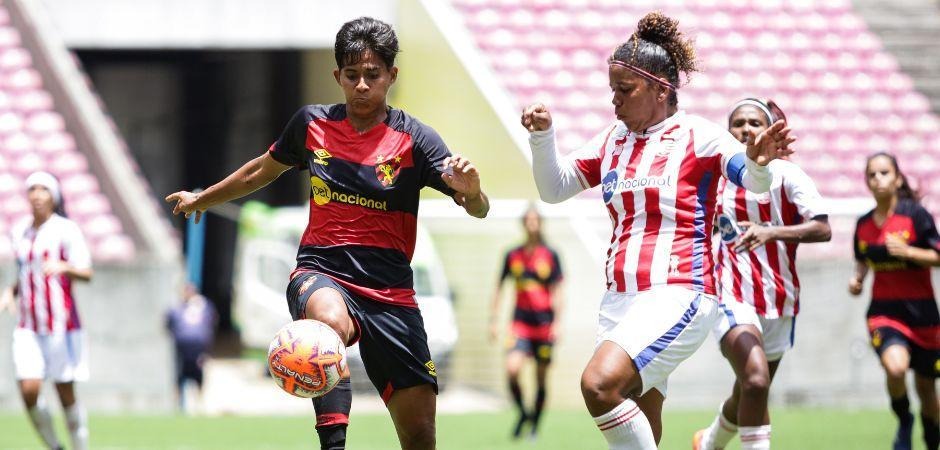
898	240
536	271
367	163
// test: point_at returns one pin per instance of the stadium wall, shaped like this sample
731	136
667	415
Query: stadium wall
130	355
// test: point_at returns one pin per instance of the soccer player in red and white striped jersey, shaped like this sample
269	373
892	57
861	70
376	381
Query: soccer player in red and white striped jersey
659	168
47	342
759	287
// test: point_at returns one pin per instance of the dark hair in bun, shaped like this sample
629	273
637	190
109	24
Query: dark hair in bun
657	46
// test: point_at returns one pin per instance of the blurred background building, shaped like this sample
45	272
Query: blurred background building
128	101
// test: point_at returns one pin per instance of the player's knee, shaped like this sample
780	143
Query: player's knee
756	384
599	388
418	436
895	371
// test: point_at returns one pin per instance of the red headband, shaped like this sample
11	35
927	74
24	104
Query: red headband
641	72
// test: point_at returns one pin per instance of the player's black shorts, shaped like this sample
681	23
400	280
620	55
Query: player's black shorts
540	350
392	340
925	362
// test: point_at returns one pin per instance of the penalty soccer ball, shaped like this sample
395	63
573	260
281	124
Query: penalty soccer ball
307	358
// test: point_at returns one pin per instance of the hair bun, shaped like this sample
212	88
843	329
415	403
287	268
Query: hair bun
657	28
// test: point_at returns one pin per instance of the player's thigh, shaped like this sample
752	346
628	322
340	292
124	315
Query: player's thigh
29	390
311	295
413	410
609	374
66	393
515	359
896	359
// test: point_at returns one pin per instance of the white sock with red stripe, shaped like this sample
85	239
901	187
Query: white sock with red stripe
42	420
78	426
755	438
719	433
626	428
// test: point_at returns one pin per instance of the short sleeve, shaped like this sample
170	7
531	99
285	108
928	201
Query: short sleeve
290	147
505	272
720	151
432	151
556	275
855	247
76	250
801	190
926	229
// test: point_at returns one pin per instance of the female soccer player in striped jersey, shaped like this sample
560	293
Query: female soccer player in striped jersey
759	289
47	342
659	168
898	241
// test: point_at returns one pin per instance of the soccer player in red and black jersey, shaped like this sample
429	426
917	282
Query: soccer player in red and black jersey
898	241
367	163
536	270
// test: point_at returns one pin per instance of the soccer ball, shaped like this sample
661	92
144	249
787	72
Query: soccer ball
307	358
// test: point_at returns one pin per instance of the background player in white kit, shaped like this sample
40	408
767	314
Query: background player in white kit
47	342
659	168
759	288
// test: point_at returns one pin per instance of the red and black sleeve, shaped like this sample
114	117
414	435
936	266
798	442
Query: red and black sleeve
290	147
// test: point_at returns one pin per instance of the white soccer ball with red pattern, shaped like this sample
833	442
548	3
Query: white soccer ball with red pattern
307	358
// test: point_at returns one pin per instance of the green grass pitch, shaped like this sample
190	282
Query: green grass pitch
793	429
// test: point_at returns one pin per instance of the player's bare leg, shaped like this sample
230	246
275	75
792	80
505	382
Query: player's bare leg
651	403
896	359
75	416
929	410
607	384
327	305
514	361
413	411
38	413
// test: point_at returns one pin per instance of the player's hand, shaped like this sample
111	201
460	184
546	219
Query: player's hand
7	302
855	286
897	246
185	204
54	268
770	144
461	176
536	117
754	236
494	331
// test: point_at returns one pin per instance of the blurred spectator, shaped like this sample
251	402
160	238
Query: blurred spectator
192	323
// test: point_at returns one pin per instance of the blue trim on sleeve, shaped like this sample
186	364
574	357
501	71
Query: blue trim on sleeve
735	169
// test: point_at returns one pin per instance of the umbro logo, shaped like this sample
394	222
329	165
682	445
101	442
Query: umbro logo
320	156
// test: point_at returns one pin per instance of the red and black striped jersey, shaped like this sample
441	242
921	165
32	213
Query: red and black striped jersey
364	196
534	271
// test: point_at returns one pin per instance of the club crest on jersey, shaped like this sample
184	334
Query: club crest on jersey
387	170
320	156
728	229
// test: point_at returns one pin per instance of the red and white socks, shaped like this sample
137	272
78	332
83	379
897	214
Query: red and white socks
626	428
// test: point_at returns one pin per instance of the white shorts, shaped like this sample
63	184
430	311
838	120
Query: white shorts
59	357
777	333
658	328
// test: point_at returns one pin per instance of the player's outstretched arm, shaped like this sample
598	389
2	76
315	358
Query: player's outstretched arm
556	180
770	144
756	235
254	175
8	299
462	176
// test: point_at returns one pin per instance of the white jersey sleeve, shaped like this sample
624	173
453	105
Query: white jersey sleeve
801	190
560	178
76	250
717	145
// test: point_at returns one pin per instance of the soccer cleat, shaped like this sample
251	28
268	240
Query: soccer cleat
902	440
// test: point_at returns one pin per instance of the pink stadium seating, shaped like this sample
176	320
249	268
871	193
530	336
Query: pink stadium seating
817	58
34	136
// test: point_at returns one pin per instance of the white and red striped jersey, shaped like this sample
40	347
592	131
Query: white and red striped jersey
766	277
660	189
46	303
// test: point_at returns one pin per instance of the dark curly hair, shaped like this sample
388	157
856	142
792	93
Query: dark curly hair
657	46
